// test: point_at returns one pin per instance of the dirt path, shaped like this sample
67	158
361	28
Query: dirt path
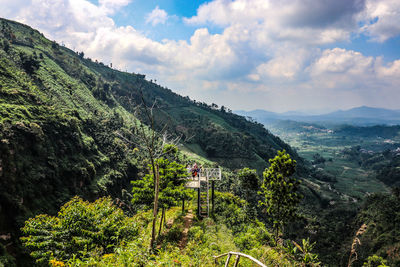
187	222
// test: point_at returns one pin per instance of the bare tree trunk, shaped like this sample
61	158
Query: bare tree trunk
155	208
161	221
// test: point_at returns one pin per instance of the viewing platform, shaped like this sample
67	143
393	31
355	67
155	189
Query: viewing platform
205	175
201	182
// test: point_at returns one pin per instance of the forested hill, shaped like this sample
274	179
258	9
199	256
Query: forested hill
58	115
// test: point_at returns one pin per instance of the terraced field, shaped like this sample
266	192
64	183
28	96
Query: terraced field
353	182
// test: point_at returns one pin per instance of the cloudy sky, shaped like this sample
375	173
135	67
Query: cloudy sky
276	55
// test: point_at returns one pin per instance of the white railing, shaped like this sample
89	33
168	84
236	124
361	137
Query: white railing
238	255
206	174
213	174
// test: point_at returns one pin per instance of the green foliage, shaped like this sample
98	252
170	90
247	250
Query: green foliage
143	192
6	260
231	210
172	188
57	140
381	212
249	185
318	159
236	214
174	234
29	63
303	252
79	228
205	239
390	172
170	150
375	261
280	191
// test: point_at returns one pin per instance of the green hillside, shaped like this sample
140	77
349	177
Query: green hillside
59	112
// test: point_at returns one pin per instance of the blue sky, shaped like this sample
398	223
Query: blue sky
389	49
135	13
276	55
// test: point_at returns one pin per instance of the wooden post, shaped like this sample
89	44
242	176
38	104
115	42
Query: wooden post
238	255
198	201
161	221
156	175
212	195
183	205
228	259
237	261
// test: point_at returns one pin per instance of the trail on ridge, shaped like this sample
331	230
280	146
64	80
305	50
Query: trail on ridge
187	222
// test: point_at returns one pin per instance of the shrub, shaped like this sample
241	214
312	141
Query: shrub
80	227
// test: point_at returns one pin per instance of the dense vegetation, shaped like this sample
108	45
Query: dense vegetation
73	237
384	163
381	214
349	165
68	127
79	228
59	117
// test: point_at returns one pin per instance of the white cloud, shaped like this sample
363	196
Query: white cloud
307	21
341	61
266	56
392	70
286	65
157	16
111	6
381	19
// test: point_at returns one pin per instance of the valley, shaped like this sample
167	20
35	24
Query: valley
327	149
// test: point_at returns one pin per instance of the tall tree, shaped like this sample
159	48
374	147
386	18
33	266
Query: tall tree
279	190
249	184
171	186
153	144
249	181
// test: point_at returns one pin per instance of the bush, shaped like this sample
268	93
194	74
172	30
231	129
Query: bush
174	234
80	227
5	258
196	234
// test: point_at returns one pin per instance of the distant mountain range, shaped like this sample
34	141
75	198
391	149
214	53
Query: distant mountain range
356	116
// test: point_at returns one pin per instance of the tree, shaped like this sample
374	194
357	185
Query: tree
249	185
80	227
29	63
171	187
153	144
279	190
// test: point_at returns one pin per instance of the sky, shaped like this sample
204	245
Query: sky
277	55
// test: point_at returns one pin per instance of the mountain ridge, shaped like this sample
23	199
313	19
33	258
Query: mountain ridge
362	115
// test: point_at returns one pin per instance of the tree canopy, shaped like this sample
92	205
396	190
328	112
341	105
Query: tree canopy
172	185
80	227
279	190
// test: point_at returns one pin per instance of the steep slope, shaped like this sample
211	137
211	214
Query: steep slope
58	115
55	138
215	133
